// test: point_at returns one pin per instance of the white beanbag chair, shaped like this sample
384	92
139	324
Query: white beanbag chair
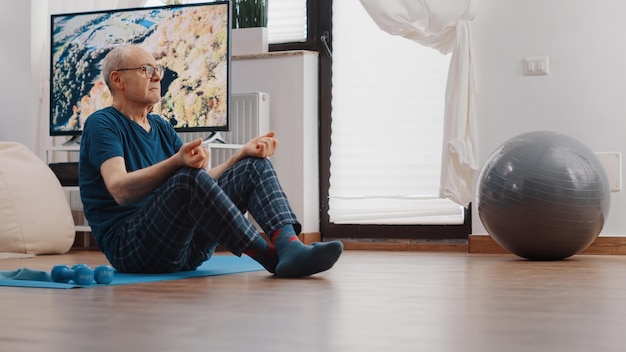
35	216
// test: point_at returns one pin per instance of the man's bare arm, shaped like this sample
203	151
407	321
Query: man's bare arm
129	187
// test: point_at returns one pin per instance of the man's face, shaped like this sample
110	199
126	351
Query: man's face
137	87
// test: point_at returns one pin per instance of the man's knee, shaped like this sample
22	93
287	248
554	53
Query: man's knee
190	172
191	177
260	164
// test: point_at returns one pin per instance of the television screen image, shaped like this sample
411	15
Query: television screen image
192	41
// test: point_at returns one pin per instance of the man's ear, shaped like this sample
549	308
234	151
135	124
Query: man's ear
116	80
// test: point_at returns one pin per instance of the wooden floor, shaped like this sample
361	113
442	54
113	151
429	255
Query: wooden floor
370	301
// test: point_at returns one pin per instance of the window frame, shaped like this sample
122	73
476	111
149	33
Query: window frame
311	42
319	22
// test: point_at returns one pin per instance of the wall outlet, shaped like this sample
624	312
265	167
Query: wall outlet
612	162
536	66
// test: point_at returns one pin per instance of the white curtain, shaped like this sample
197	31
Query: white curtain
40	45
445	26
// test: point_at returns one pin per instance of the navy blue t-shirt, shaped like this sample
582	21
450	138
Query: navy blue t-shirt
108	133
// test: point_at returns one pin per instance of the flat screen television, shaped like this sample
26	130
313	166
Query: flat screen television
192	41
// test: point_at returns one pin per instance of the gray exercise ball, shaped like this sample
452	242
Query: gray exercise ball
543	196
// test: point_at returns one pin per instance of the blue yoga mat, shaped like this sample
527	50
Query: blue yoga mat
217	265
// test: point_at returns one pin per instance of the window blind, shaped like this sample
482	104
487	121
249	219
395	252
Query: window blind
286	21
387	126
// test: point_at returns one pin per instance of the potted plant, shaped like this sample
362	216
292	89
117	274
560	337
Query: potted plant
249	13
249	27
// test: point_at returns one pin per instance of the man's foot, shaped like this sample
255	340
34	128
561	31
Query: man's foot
301	260
295	259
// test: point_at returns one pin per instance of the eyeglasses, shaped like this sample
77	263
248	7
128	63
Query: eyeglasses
147	69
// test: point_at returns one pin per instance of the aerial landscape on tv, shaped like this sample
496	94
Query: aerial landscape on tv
190	41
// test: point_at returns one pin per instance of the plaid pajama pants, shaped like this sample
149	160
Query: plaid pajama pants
192	213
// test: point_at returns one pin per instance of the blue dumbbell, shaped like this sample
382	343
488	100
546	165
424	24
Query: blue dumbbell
82	274
102	274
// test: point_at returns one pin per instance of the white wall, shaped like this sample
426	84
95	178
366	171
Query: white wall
583	96
18	119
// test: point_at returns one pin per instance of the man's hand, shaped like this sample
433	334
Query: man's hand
192	154
261	146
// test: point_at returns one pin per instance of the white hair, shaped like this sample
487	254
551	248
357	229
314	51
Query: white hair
114	60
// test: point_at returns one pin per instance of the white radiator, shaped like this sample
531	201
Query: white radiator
249	117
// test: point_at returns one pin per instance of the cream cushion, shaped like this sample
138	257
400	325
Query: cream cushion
35	216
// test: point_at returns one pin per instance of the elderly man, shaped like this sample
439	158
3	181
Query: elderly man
152	205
